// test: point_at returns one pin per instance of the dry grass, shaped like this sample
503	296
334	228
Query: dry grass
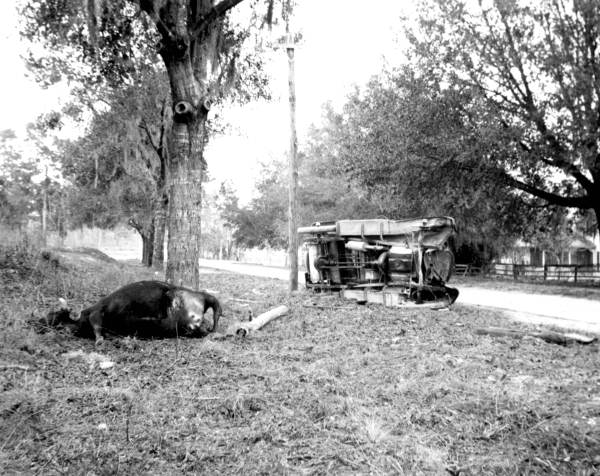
320	391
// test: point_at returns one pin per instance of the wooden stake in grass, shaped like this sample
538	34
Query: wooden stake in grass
129	407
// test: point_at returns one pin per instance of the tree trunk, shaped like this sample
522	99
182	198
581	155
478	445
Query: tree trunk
148	246
597	214
144	249
191	33
160	220
147	235
185	200
61	222
45	215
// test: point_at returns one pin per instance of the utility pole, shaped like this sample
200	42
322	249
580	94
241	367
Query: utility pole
45	208
293	158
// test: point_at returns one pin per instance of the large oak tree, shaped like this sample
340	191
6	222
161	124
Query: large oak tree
200	51
536	66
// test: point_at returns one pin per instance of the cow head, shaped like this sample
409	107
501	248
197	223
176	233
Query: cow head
187	310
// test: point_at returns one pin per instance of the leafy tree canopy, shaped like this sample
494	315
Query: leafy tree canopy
25	180
323	195
117	167
100	43
408	143
535	67
17	190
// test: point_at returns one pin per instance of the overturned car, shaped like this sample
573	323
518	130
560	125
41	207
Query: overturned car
391	262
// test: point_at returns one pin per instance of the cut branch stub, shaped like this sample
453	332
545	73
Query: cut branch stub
206	105
180	48
174	48
183	111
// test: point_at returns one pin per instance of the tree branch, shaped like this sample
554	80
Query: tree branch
149	6
499	46
144	126
567	167
558	70
517	59
582	202
164	150
495	92
135	225
591	47
211	15
559	160
525	100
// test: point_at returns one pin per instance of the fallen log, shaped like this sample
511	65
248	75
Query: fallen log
14	367
253	301
548	336
328	308
244	328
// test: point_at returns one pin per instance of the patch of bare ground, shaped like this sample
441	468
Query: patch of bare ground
331	388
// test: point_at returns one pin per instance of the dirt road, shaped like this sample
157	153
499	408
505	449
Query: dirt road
565	312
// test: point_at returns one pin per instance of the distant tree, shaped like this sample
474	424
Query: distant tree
15	184
217	234
263	222
17	191
227	203
125	141
536	68
553	231
118	168
50	193
26	191
323	195
327	191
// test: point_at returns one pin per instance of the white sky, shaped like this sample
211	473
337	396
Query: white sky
21	99
345	42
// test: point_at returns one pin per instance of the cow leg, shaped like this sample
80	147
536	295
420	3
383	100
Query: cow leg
213	303
96	323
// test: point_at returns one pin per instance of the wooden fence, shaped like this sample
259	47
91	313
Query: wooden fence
467	270
551	272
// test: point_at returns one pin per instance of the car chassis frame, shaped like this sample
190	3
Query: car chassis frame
396	263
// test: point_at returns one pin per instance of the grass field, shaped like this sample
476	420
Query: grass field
331	388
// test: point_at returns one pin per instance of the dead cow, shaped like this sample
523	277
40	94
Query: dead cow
145	308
